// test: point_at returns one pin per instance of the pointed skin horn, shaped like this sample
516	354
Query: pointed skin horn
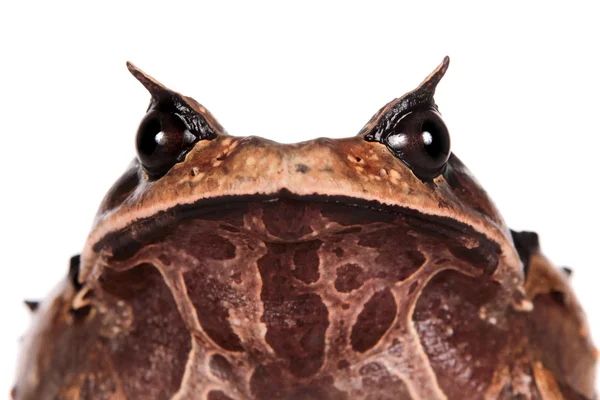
32	305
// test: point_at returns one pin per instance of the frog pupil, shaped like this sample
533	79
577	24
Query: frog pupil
434	141
151	136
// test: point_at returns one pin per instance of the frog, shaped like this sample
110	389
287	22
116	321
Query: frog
368	267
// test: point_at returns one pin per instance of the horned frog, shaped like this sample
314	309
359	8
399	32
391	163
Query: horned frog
370	267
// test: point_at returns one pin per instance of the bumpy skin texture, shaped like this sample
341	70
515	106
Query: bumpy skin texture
319	270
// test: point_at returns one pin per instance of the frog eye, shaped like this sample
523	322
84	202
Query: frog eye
162	140
171	127
420	140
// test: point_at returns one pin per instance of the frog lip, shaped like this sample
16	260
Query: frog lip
126	241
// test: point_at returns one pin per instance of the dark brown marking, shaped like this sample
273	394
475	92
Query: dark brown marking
158	343
296	322
373	321
306	261
81	313
397	258
457	239
266	382
302	168
220	367
208	294
217	395
226	214
453	334
287	220
198	240
349	277
477	257
339	252
413	287
217	247
270	382
236	277
188	224
559	297
163	258
358	216
397	348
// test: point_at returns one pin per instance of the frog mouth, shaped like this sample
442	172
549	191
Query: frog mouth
290	218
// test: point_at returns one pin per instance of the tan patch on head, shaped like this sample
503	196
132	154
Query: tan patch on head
348	167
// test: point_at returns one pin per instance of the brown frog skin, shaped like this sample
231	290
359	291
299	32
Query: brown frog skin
370	267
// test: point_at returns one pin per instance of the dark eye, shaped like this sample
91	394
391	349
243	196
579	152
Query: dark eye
161	140
421	140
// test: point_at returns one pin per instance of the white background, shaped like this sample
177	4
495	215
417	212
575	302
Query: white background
520	99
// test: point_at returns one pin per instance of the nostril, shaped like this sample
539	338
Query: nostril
302	168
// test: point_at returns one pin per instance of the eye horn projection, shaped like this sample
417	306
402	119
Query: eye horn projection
413	130
172	125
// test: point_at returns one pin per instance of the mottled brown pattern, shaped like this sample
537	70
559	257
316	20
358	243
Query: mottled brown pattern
373	321
306	261
208	295
287	222
471	247
363	266
318	270
467	346
157	345
295	321
102	383
454	335
398	256
217	395
349	277
263	387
